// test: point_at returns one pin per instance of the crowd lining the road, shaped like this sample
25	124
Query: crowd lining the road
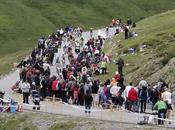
77	82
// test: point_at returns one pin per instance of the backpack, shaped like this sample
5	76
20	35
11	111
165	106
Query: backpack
143	94
58	87
82	90
132	95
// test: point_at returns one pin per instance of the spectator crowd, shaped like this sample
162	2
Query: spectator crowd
78	67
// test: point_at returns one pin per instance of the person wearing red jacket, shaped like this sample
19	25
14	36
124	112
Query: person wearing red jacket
117	76
132	97
55	87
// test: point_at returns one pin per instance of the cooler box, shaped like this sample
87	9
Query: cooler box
13	109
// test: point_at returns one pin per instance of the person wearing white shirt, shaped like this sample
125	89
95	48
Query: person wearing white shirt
142	83
25	90
115	93
126	91
166	96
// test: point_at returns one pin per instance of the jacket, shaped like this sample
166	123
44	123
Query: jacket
115	90
132	95
160	105
166	96
25	87
143	95
103	64
54	85
88	100
120	62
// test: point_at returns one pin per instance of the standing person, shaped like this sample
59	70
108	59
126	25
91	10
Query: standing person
88	87
37	81
88	102
44	85
166	97
55	87
64	73
91	32
2	94
117	76
77	47
142	83
61	32
126	32
82	42
103	66
81	95
58	67
129	22
143	95
63	61
107	32
132	97
114	91
156	95
126	91
120	64
161	107
95	88
25	90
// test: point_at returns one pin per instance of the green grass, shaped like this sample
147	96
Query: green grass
15	123
63	126
157	32
23	21
111	71
37	121
93	128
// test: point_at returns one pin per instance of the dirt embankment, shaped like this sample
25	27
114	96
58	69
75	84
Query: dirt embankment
153	70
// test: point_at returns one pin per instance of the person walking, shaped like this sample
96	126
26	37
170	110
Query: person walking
25	90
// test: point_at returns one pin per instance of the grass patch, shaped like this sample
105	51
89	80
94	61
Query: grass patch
18	121
132	63
93	128
157	32
11	123
111	71
63	126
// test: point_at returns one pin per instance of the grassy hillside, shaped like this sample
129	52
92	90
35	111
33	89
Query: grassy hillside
157	61
19	28
23	21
